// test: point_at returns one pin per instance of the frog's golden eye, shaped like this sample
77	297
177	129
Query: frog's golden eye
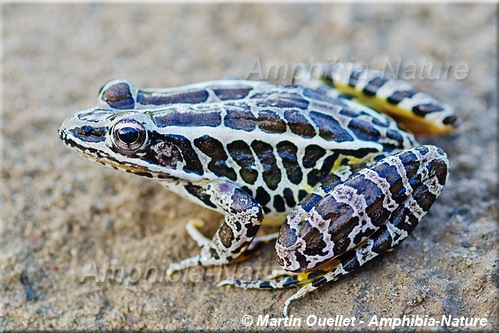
128	135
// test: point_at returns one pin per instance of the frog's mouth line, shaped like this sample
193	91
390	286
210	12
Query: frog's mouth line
97	156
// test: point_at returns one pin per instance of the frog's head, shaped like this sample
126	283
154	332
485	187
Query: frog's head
127	139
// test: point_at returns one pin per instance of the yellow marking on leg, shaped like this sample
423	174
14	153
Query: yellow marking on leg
416	124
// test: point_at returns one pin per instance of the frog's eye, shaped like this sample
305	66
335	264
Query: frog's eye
128	134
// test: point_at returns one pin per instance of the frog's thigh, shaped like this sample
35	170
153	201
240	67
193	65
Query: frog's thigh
350	212
243	217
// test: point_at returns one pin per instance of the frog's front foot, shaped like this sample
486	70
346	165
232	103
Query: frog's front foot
203	242
243	217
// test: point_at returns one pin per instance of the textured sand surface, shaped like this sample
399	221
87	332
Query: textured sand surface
63	217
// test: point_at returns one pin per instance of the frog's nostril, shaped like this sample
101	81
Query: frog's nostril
85	130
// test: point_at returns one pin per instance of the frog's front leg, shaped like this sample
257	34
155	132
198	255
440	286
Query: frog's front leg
243	217
351	222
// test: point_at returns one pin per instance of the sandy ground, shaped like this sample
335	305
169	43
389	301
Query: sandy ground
65	220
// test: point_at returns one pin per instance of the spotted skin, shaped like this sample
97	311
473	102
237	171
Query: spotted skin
313	238
350	181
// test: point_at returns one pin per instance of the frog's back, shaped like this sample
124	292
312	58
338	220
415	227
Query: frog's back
276	142
277	113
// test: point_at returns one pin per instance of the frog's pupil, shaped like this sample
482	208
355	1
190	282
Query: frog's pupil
128	134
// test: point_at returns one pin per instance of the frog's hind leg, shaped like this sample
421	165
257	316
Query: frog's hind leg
419	112
417	177
243	217
309	281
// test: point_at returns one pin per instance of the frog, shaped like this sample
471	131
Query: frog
331	158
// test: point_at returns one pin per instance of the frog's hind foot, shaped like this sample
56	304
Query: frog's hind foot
306	282
287	282
278	279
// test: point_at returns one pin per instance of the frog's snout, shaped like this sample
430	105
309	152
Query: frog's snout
62	130
73	130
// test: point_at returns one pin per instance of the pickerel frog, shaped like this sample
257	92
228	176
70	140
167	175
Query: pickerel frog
345	182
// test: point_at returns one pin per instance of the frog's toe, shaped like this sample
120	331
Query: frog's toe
228	282
181	265
192	230
287	282
305	282
276	273
300	293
